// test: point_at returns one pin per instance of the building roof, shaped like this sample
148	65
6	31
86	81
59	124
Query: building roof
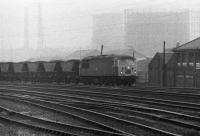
191	45
167	56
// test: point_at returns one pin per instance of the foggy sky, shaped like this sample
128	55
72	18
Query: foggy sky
67	24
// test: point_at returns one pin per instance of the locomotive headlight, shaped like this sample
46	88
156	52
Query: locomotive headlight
121	72
128	67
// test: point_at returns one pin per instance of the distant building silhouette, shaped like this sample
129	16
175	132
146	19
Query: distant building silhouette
145	31
108	30
40	28
26	27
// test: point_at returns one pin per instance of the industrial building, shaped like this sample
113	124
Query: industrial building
182	67
146	30
187	70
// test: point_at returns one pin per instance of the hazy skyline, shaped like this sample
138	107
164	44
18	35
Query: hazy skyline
67	24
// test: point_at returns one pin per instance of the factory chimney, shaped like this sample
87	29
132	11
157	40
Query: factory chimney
40	27
26	27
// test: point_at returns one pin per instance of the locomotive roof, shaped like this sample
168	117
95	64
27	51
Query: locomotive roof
108	57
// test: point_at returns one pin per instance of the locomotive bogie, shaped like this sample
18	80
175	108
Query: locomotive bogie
108	80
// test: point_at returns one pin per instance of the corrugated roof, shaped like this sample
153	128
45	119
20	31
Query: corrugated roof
191	45
168	56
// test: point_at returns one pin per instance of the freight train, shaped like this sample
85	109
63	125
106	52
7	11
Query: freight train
102	69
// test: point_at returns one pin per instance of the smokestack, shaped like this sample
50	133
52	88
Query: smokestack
40	27
26	27
2	45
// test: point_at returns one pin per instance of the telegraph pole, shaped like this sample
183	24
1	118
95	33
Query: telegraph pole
134	55
164	67
102	49
80	52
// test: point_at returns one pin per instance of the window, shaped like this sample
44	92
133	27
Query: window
191	64
178	64
184	64
184	57
197	65
198	57
178	57
85	65
191	57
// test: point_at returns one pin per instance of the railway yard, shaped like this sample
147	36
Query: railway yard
69	69
80	110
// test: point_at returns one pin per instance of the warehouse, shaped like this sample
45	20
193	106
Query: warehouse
187	71
182	67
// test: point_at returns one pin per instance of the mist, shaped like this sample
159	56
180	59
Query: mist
57	28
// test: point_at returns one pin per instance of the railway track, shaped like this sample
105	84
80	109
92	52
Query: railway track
125	126
87	123
33	127
131	107
66	93
144	100
156	93
173	90
51	126
159	111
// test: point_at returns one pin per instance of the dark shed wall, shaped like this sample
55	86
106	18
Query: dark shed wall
155	71
170	71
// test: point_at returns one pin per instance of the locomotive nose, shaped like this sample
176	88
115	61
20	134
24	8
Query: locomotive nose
128	70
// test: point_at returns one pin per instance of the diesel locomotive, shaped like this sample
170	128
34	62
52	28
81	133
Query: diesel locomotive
102	69
108	69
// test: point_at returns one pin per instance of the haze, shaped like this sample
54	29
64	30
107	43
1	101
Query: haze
67	24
